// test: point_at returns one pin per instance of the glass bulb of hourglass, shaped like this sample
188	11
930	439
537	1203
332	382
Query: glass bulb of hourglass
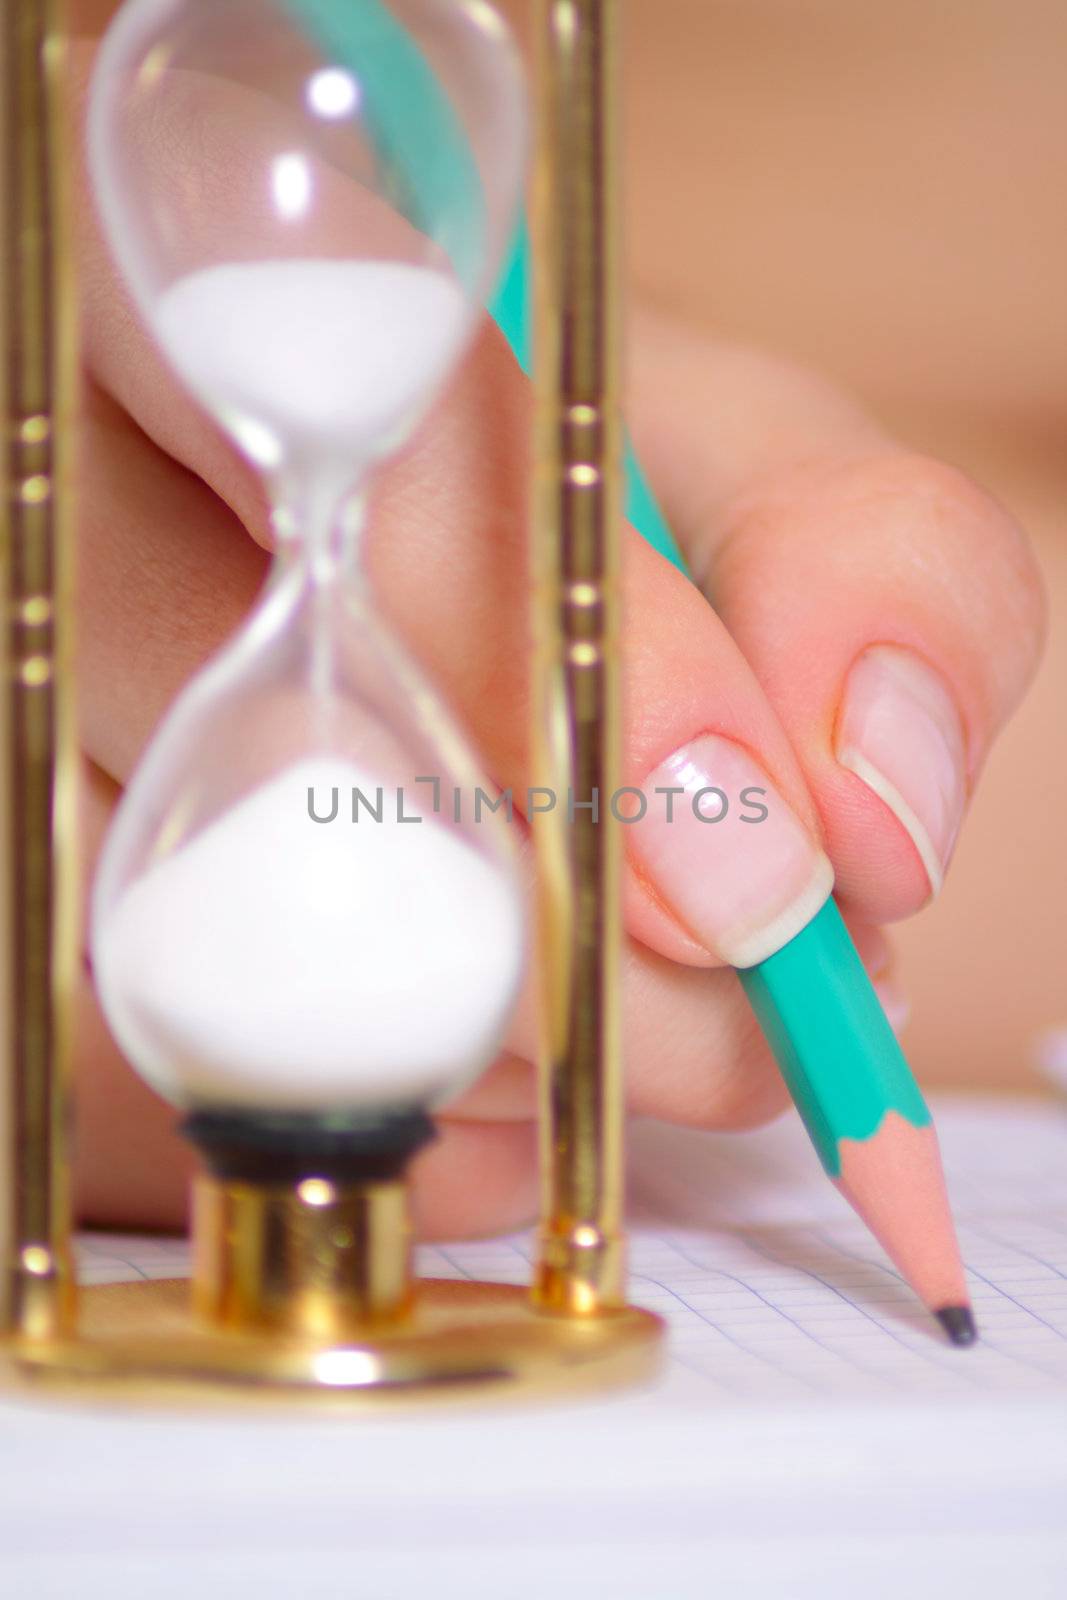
304	903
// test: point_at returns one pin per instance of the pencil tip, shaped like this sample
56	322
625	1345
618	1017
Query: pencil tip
958	1323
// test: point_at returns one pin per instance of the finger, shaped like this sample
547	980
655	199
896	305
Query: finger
475	1179
165	573
890	608
130	1167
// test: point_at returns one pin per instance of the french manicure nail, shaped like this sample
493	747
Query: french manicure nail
725	853
899	731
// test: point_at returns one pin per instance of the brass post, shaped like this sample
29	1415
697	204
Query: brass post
38	936
577	508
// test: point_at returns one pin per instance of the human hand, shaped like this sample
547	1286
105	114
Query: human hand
878	618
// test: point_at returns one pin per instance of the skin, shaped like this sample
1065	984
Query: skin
775	483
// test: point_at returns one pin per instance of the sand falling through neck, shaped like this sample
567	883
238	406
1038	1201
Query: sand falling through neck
279	962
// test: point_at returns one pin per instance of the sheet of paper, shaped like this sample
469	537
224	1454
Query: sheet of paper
811	1437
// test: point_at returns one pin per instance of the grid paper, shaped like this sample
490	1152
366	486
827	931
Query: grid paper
773	1290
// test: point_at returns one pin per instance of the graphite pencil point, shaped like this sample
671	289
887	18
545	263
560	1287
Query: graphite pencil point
958	1323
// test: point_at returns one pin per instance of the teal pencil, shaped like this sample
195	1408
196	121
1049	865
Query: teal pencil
814	1001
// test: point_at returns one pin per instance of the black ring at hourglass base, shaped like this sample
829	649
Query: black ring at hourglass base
284	1147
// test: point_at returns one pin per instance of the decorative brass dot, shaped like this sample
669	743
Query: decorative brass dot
36	1260
35	671
583	654
36	489
35	611
34	430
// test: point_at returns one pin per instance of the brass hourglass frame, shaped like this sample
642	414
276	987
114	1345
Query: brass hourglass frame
299	1292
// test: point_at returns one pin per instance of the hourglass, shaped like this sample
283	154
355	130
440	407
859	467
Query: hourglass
307	925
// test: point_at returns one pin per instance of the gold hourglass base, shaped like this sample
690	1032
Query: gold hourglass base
460	1340
304	1290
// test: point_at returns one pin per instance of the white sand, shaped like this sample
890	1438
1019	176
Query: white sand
281	962
324	353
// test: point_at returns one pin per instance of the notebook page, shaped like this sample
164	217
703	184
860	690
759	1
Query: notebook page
774	1291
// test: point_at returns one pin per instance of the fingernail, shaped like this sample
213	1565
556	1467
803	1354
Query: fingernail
895	1004
899	731
725	853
